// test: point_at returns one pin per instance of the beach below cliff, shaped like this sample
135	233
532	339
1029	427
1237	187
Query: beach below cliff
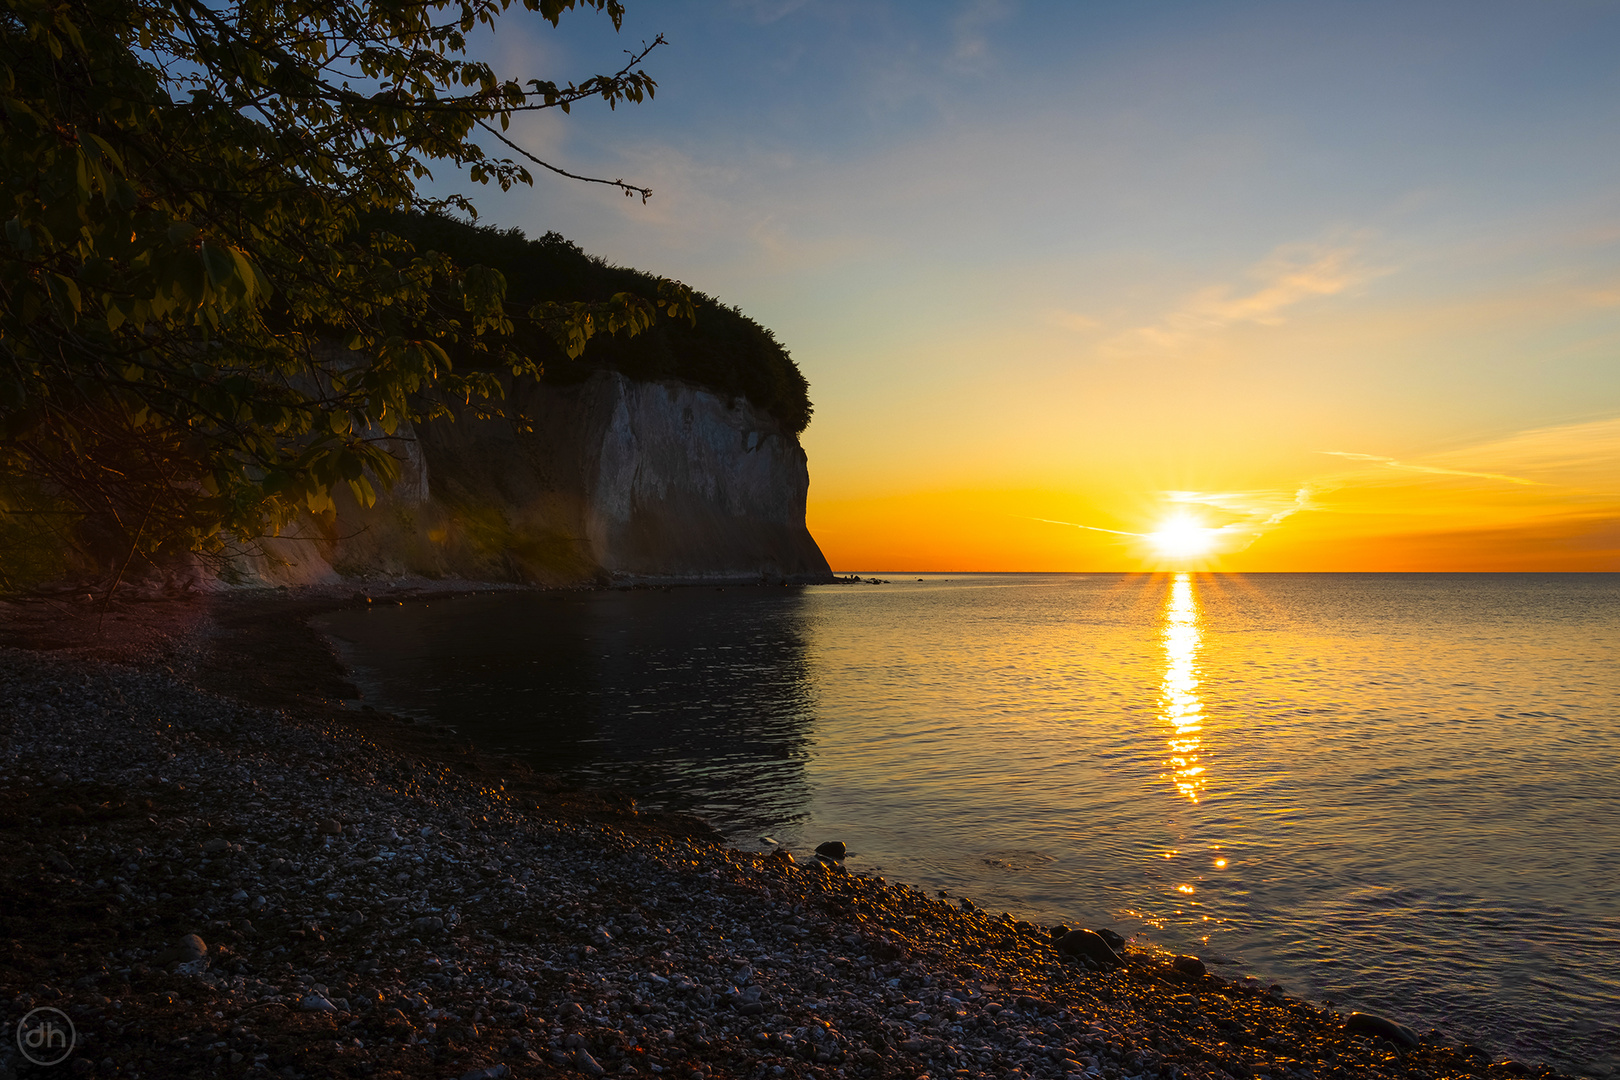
212	866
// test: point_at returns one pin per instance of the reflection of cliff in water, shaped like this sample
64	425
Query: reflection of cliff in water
693	698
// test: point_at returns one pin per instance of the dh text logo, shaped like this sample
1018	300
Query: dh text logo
46	1036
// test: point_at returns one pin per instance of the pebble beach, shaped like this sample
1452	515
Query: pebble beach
213	866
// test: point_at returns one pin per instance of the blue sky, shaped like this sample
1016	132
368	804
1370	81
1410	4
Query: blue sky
1096	252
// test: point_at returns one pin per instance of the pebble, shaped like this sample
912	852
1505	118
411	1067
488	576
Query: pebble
1361	1023
530	942
192	947
1091	946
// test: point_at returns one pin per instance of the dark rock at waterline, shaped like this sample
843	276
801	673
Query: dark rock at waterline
1189	965
1089	945
1360	1023
1115	942
832	849
1057	933
191	949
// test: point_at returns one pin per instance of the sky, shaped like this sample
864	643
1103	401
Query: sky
1131	285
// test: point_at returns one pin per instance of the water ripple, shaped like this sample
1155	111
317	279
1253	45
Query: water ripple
1394	792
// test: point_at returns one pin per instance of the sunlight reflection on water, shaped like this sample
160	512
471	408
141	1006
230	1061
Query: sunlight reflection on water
1394	791
1178	695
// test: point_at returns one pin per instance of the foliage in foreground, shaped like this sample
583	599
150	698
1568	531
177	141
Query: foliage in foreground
198	337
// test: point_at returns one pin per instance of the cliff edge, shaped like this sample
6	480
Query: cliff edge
606	480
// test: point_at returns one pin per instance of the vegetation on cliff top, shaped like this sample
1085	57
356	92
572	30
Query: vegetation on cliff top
720	349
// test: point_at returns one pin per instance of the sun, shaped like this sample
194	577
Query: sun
1183	537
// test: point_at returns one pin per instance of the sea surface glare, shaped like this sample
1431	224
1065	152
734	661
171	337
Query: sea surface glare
1399	793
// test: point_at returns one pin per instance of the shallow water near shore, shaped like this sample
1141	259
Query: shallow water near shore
1400	793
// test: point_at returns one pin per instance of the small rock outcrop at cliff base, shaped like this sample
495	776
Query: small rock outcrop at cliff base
607	480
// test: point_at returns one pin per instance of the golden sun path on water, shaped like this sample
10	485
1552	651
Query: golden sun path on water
1180	707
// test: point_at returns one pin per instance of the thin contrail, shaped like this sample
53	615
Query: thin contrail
1392	463
1088	528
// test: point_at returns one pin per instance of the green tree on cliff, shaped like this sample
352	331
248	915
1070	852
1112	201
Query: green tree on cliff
200	334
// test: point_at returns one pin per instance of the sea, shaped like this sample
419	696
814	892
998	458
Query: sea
1397	793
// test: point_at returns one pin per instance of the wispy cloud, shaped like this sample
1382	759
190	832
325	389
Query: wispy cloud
972	44
1434	469
766	12
1585	455
1388	502
1253	509
1289	276
1072	320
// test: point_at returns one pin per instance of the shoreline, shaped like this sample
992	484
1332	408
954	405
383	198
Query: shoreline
373	899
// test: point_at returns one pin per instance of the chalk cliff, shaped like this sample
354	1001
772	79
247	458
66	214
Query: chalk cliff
610	479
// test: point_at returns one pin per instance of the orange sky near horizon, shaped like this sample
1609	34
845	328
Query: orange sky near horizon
1546	500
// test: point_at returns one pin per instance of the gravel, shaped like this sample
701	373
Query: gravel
211	888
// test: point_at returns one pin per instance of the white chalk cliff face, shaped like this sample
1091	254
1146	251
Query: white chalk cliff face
607	480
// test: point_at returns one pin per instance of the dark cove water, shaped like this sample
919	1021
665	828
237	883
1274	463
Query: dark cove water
1400	793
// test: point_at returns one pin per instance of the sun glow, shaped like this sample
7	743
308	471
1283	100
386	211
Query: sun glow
1183	537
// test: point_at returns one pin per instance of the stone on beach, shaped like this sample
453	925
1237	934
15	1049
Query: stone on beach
1115	942
192	948
1360	1023
1089	945
832	849
1189	965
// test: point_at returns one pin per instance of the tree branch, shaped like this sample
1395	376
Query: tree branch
627	188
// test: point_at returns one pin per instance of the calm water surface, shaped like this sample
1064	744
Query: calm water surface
1399	793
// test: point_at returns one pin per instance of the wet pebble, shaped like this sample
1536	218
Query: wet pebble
1089	945
1189	965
